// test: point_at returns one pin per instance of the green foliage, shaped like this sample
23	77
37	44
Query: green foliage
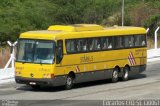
152	22
17	16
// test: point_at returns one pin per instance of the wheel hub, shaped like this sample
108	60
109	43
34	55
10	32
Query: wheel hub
69	81
115	74
126	74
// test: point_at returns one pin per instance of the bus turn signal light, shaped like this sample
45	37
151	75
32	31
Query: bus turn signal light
48	75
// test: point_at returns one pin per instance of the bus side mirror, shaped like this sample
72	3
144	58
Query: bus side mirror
59	52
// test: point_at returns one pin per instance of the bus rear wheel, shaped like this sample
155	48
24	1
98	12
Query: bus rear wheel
69	82
125	74
115	75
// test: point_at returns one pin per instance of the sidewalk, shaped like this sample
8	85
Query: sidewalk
8	74
153	55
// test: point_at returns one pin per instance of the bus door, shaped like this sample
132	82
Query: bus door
59	57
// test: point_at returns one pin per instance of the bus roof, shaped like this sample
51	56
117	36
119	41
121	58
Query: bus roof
75	27
81	31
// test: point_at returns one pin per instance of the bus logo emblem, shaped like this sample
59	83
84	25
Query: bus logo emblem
31	75
131	59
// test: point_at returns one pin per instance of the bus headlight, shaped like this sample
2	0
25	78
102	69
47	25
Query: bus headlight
17	73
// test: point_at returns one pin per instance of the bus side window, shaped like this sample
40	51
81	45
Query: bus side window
82	45
129	41
119	43
59	53
110	42
137	40
140	40
91	44
85	45
71	46
97	44
143	40
104	43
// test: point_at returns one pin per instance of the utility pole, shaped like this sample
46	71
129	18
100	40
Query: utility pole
122	12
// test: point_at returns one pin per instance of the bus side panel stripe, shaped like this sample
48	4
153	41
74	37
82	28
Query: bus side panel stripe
133	58
77	69
130	59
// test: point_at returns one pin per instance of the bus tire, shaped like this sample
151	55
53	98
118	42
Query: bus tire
115	75
125	74
69	82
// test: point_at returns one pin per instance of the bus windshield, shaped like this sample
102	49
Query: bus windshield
36	51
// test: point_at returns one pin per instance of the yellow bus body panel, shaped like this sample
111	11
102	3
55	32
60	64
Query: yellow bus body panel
101	60
85	62
29	70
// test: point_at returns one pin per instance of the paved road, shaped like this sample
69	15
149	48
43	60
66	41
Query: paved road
143	86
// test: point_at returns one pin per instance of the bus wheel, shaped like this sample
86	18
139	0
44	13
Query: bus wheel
115	75
36	87
69	82
125	74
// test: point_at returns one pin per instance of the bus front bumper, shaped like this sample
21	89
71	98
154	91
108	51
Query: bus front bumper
56	81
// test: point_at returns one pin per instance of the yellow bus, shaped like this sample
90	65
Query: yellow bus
69	54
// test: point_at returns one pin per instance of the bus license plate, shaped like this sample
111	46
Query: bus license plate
32	83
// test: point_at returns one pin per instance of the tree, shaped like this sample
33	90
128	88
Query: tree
17	16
